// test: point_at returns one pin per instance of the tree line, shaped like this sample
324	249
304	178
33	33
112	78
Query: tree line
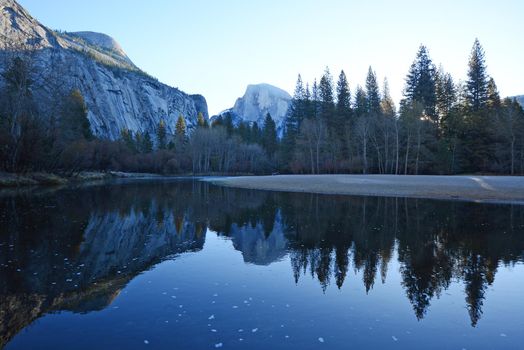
441	127
44	126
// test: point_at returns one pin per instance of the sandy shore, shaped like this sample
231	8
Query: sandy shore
471	188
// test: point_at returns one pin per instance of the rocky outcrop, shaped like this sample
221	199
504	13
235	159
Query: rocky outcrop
117	93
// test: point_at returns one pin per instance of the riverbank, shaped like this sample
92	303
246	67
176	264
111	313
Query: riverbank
8	180
470	188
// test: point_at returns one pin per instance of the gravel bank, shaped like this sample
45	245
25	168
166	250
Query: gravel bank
471	188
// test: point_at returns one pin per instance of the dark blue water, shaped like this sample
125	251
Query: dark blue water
187	265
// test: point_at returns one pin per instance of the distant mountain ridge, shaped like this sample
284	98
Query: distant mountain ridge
257	102
117	93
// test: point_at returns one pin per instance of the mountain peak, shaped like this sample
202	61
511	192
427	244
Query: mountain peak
118	95
257	102
261	99
19	28
101	42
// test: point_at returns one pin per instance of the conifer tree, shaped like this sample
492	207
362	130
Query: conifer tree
446	95
147	144
314	107
269	136
493	101
201	121
343	96
477	82
297	110
161	135
138	142
255	133
127	137
327	101
74	123
181	126
372	93
361	102
420	83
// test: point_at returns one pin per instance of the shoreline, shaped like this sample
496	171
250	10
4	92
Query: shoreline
488	189
13	180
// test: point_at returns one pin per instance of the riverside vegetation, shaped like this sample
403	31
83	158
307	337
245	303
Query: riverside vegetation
441	127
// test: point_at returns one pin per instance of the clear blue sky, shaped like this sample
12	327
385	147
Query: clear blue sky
217	48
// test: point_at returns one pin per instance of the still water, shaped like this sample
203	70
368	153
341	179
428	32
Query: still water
189	265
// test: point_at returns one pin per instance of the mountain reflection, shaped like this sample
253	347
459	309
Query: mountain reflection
75	249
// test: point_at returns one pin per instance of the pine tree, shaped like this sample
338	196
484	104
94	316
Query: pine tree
446	95
296	114
181	126
127	137
201	121
147	144
477	82
161	135
325	90
269	136
228	123
314	106
479	129
343	96
74	123
244	131
493	101
420	83
297	110
361	102
139	142
387	104
256	134
372	93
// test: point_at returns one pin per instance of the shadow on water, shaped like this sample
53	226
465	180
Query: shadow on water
75	249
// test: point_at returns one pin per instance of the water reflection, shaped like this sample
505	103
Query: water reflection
76	249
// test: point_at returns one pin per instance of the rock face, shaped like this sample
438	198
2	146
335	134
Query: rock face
117	93
257	102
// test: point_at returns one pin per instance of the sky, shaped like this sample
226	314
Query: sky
216	48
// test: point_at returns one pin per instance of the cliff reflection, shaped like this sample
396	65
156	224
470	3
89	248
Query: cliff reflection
75	249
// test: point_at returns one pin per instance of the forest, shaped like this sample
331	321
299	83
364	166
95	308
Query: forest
441	126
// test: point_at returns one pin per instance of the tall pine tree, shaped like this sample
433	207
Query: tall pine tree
161	135
420	83
373	93
343	96
477	82
269	136
327	100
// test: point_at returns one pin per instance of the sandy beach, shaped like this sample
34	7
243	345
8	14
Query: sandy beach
470	188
